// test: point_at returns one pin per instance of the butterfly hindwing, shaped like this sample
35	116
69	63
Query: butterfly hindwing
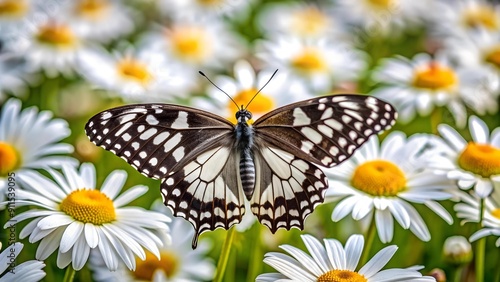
325	130
157	138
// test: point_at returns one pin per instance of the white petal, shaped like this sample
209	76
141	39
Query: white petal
91	235
130	195
353	250
304	259
288	267
114	183
479	130
80	253
317	251
72	233
335	253
378	261
385	225
483	188
452	137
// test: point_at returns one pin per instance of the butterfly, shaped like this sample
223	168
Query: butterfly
209	166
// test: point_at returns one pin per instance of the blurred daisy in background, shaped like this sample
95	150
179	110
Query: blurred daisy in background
135	74
319	64
243	87
334	262
28	271
15	76
30	140
178	261
424	82
196	45
473	164
380	183
203	8
99	20
457	250
296	19
71	215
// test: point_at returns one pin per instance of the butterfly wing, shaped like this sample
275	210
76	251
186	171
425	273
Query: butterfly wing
325	130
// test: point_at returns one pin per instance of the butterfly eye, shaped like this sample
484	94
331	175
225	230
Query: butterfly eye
243	116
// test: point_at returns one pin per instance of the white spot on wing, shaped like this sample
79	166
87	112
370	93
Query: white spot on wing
181	120
300	118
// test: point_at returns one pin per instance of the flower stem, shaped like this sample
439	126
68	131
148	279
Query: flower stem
480	247
457	274
369	237
436	116
255	255
224	256
69	275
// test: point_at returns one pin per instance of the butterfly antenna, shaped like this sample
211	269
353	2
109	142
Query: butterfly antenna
262	88
200	72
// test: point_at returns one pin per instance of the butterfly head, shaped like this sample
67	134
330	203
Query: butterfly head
243	115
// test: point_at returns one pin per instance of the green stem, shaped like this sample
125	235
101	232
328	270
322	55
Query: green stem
224	256
369	237
69	275
255	254
480	247
457	274
436	117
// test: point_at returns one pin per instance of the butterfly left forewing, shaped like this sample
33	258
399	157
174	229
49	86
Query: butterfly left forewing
287	188
325	130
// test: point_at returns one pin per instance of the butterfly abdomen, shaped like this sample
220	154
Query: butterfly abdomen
244	140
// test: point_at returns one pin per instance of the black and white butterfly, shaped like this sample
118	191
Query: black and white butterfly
208	166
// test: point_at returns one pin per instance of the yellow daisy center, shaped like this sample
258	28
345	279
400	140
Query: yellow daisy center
341	276
13	8
379	178
481	159
91	8
309	21
57	35
496	213
89	206
381	4
435	76
309	61
191	43
145	269
483	16
261	104
9	159
493	56
209	3
130	68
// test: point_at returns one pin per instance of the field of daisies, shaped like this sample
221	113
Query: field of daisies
420	202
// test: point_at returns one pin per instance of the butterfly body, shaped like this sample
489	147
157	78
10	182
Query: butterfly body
209	167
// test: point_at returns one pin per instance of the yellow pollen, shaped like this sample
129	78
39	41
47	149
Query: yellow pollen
341	276
9	159
145	269
261	104
89	206
483	16
496	213
381	4
130	68
191	44
481	159
56	35
493	56
13	8
210	2
435	77
92	8
379	178
310	61
309	21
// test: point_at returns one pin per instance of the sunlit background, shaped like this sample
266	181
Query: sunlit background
436	61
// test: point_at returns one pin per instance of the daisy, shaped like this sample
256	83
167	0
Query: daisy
203	8
422	83
178	261
334	262
30	140
298	19
136	74
15	76
99	20
469	211
196	44
457	250
319	64
71	215
382	183
243	87
474	164
27	271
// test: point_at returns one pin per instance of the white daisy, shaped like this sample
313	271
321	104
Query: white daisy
243	87
318	63
136	74
74	217
203	8
30	140
28	271
303	20
469	210
382	183
334	262
15	76
457	250
99	20
179	262
474	164
422	83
